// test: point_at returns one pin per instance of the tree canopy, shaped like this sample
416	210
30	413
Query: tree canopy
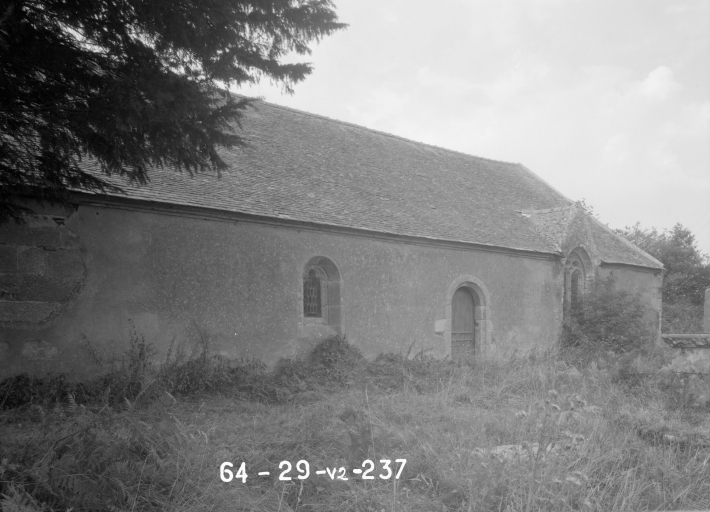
687	268
130	84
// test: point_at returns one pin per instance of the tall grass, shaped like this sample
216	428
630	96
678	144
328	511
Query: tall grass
522	435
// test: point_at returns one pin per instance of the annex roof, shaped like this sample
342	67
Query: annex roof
558	226
309	168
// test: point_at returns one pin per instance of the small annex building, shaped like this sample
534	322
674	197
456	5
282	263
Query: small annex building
319	227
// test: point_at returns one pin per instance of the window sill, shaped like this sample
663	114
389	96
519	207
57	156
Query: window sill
314	320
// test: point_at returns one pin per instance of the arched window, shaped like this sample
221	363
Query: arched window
574	289
578	266
312	306
321	294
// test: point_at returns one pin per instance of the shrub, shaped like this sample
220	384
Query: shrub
605	319
682	317
23	389
336	354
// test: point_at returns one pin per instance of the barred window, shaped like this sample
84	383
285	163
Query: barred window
312	295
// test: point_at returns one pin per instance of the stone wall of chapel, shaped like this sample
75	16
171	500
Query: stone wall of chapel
175	278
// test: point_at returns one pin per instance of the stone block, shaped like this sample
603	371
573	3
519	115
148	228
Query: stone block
37	350
706	315
8	258
65	263
31	260
441	326
29	287
34	234
26	312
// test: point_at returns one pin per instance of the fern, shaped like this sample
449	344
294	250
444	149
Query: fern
17	500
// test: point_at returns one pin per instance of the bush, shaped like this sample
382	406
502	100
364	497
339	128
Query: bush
606	319
23	389
683	317
337	358
136	380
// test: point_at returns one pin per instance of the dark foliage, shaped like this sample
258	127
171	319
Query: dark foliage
606	318
334	365
113	87
687	269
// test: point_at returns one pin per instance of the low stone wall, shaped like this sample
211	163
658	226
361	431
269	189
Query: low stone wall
692	362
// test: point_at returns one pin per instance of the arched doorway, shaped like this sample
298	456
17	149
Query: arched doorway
469	327
463	324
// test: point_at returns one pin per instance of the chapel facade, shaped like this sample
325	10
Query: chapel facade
318	228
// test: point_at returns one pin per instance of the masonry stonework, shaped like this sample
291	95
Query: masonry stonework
42	271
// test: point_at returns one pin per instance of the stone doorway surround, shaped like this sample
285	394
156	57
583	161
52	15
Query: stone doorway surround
482	314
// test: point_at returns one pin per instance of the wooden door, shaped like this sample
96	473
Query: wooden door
462	325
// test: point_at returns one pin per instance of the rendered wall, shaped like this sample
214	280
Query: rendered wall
177	279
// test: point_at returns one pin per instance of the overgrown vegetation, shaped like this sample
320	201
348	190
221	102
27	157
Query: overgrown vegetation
528	434
686	278
606	319
682	317
136	380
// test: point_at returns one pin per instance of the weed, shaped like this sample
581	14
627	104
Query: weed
606	319
530	435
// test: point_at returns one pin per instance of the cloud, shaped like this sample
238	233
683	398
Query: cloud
616	149
659	84
383	104
443	84
526	77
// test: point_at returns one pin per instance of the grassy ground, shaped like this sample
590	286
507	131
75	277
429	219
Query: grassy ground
579	440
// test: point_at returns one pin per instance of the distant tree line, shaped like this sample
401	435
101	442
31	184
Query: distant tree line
687	273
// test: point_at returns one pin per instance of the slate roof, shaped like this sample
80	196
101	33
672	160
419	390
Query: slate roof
552	223
555	224
313	169
616	249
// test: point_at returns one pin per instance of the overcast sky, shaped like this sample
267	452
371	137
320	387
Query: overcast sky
606	100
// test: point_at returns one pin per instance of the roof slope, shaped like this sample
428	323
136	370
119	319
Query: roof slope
616	249
310	168
314	169
558	226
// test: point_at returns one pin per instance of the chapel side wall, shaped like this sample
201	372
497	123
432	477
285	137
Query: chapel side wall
645	283
177	279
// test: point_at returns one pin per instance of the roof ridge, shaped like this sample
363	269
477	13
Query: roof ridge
386	134
548	210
